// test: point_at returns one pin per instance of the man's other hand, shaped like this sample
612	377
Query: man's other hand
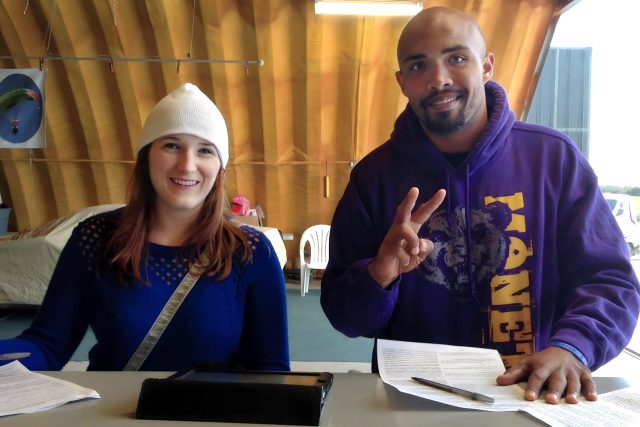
559	369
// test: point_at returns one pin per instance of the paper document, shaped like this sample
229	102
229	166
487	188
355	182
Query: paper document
615	409
468	368
23	391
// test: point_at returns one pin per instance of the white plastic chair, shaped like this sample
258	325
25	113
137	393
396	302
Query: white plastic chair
318	238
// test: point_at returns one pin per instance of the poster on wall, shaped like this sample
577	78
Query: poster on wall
22	108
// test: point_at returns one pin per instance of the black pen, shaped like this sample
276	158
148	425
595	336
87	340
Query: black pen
466	393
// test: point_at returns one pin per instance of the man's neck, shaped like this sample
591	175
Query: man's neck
452	143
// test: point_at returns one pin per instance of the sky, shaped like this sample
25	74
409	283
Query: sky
612	29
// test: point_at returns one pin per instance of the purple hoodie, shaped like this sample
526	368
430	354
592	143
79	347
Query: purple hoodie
541	259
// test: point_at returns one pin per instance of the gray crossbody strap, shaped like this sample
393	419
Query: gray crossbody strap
164	318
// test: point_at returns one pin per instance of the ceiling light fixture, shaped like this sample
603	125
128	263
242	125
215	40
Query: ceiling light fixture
380	8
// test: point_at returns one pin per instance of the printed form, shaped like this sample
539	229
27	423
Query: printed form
23	391
468	368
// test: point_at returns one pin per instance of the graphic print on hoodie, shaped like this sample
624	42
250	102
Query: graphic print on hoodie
494	248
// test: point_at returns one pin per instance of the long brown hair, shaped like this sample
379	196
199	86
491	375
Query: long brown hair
212	234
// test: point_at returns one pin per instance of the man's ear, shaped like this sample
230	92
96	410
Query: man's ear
400	80
487	67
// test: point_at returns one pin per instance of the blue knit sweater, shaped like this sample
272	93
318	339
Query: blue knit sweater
239	320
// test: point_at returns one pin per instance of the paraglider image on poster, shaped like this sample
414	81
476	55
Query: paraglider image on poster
22	108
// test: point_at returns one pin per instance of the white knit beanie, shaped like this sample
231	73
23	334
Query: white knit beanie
189	111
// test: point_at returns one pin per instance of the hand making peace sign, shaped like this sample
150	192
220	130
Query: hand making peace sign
402	250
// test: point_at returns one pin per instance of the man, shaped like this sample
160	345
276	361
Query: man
520	253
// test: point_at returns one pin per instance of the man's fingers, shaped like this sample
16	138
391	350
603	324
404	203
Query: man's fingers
556	385
411	246
535	384
557	370
588	387
573	389
403	213
404	239
513	375
403	257
412	256
520	372
426	246
425	210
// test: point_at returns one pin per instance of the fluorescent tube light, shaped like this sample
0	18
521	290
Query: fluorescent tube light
381	8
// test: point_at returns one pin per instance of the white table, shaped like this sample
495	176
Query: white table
354	400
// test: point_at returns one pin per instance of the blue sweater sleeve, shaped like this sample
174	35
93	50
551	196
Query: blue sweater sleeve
62	319
264	344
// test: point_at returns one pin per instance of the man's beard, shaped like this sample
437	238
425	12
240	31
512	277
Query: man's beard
443	123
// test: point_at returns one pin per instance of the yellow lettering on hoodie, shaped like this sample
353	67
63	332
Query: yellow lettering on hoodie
518	253
522	350
514	202
510	312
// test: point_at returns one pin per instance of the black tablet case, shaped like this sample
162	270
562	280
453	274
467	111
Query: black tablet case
179	398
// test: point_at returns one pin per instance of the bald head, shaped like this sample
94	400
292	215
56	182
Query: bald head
441	21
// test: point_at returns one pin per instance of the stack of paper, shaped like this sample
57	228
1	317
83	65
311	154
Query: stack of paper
23	391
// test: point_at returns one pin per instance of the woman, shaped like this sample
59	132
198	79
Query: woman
119	268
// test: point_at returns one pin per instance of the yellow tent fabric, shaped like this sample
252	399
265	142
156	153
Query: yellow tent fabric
325	96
